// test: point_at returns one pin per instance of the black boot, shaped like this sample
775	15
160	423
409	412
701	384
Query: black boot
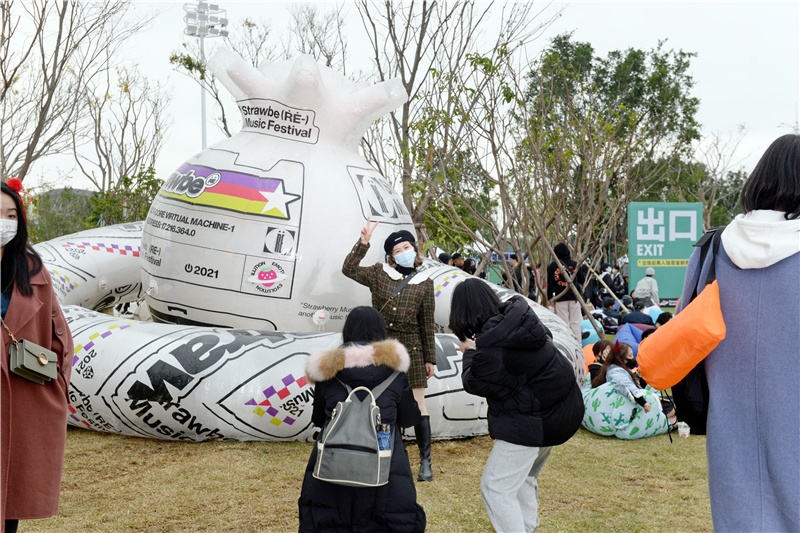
423	432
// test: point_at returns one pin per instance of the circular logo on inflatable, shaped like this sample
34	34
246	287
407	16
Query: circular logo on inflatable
267	276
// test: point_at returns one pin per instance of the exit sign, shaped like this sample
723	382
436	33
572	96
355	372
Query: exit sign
661	235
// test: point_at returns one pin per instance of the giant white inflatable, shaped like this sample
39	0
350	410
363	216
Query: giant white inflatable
240	258
184	382
259	223
96	268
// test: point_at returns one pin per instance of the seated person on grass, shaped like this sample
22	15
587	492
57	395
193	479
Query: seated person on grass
636	316
600	349
618	369
663	318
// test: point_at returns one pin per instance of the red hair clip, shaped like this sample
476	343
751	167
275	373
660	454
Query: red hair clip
616	347
15	185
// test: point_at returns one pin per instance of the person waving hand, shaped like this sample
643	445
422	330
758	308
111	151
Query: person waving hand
406	302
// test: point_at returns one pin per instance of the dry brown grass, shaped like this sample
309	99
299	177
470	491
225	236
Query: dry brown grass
114	483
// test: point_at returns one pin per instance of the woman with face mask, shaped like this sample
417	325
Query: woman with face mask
618	368
33	416
409	316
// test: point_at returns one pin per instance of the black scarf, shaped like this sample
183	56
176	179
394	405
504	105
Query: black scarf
405	271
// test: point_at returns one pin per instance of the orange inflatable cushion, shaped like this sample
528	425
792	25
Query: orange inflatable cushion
589	355
674	349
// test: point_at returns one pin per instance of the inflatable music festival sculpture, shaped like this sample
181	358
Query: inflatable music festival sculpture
240	262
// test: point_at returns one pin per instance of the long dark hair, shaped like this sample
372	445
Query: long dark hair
617	356
775	182
473	303
363	326
20	261
599	347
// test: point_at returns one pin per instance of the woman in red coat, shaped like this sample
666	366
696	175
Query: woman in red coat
33	417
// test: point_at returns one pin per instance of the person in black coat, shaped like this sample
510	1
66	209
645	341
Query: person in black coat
636	316
567	307
534	401
366	359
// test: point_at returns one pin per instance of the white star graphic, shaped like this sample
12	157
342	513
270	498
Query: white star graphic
278	200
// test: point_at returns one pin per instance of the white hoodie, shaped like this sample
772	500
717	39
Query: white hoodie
761	238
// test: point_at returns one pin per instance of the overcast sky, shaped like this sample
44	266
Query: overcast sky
747	70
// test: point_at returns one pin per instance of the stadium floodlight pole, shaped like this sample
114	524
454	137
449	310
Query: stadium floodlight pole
204	20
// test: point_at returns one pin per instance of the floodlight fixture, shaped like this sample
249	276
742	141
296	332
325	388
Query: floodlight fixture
204	20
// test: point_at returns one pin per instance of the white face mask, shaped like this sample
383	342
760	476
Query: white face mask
8	230
406	259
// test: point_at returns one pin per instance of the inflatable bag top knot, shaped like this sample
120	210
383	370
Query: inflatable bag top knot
252	232
304	99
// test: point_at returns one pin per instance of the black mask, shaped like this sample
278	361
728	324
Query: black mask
630	363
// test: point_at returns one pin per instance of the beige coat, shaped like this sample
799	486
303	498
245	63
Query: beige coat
33	418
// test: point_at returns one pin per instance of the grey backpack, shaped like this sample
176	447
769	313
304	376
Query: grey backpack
355	449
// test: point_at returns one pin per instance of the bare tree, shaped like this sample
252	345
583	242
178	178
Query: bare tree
558	167
715	157
129	123
44	95
430	46
11	60
312	31
319	34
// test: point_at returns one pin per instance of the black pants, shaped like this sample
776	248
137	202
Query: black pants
11	526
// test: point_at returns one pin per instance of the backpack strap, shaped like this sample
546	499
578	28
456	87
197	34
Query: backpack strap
708	242
379	389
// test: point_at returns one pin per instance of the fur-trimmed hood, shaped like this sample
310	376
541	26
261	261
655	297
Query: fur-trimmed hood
325	365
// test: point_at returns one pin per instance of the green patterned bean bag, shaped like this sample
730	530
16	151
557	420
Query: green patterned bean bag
607	412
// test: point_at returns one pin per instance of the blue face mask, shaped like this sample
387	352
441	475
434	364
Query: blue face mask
406	259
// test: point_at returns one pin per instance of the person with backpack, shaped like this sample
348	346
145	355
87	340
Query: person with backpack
368	359
405	299
754	460
567	307
534	400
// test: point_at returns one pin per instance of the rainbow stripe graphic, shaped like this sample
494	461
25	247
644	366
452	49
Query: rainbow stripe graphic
233	191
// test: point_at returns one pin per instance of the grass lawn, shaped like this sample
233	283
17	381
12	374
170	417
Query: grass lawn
591	483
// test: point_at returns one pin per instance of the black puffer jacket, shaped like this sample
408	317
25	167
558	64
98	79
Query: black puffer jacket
531	390
329	508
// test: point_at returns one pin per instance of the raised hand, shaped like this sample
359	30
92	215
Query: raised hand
366	232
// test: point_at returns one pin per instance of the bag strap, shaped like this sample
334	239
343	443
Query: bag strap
709	241
379	389
13	340
399	288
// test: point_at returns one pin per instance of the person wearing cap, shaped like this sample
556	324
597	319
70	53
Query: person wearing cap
606	275
637	316
409	316
648	287
445	258
627	301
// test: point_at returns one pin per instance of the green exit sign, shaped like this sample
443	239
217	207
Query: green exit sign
661	235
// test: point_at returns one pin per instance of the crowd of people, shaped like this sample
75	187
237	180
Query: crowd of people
534	401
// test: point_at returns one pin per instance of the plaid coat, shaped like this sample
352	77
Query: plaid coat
409	317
